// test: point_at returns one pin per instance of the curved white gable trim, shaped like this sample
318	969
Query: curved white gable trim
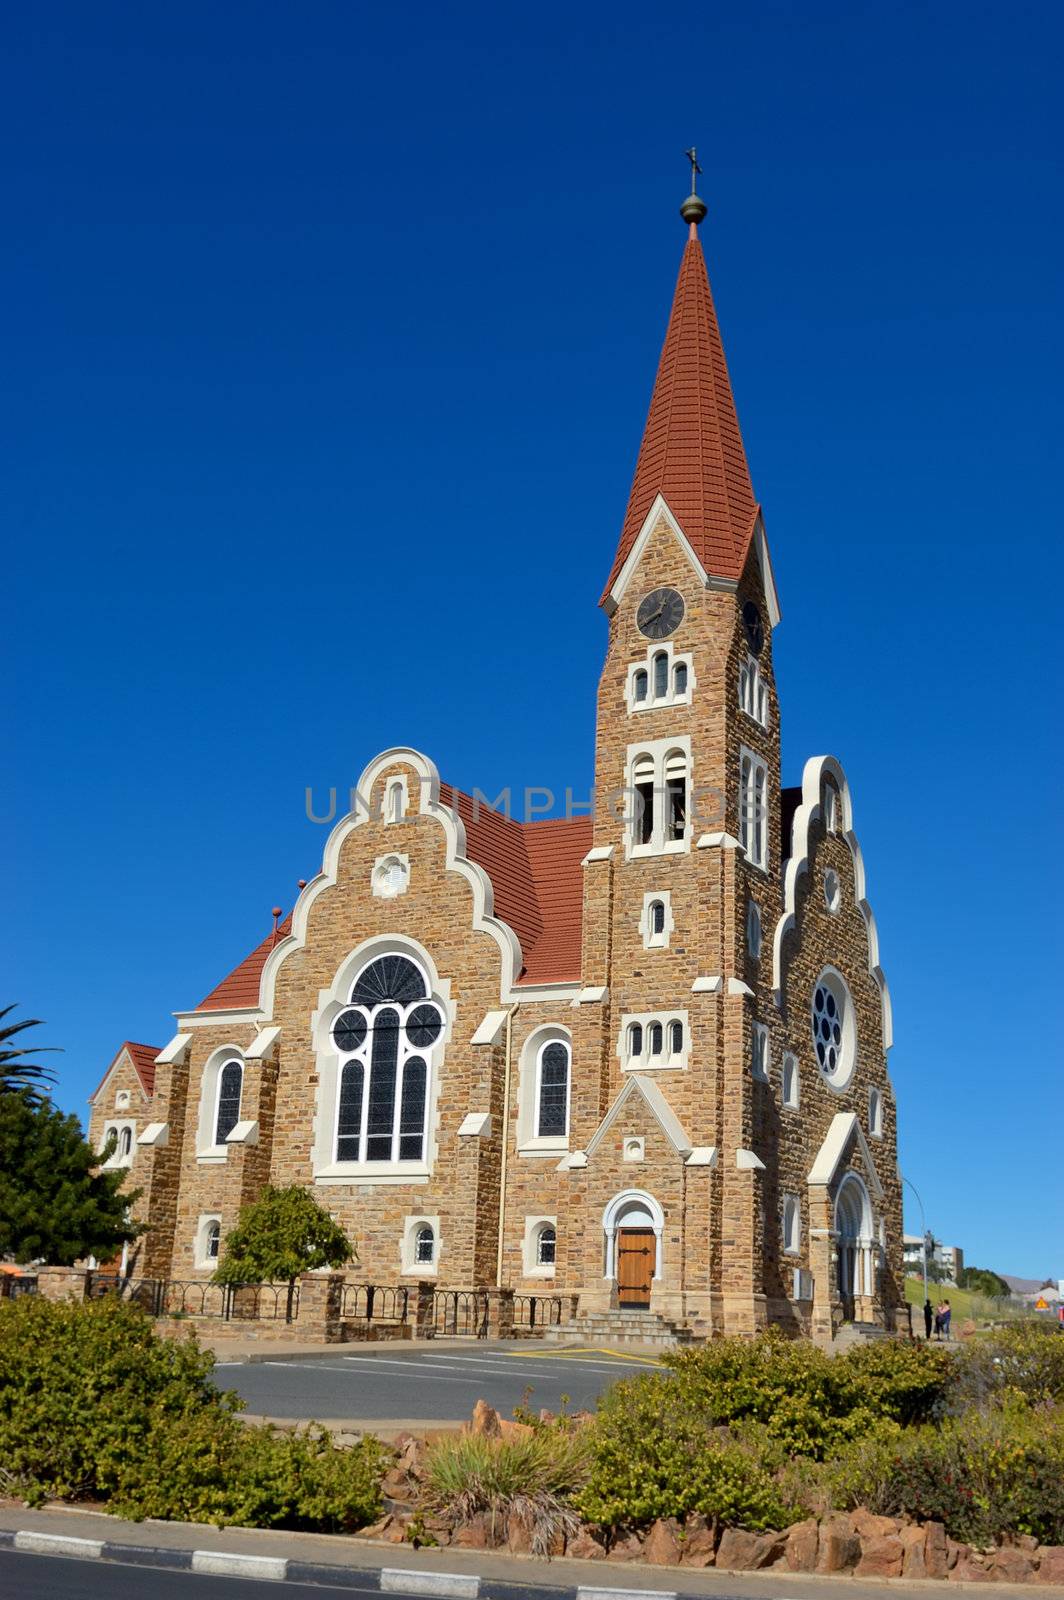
457	861
817	768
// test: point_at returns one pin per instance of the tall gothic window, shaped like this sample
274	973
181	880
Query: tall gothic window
552	1090
753	823
384	1039
230	1085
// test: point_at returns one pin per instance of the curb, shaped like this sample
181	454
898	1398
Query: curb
279	1569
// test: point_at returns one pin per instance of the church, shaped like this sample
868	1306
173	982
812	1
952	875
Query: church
635	1059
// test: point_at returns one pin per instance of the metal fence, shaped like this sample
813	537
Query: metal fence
534	1311
11	1287
460	1311
374	1302
230	1302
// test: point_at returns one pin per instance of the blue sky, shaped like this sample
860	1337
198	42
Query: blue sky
329	337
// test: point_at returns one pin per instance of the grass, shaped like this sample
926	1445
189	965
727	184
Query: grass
965	1304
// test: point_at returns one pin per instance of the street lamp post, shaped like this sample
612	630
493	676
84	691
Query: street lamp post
923	1224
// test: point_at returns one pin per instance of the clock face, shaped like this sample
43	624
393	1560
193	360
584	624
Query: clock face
754	627
660	613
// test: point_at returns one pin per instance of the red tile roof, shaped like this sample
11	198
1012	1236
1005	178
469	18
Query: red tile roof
537	881
692	450
143	1059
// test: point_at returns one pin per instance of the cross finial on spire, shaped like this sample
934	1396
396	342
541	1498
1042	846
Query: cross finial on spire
694	207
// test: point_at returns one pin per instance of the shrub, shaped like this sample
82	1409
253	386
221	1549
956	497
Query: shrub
982	1474
529	1475
896	1379
85	1389
653	1456
1026	1358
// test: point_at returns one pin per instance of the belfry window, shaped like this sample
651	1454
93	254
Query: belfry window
643	785
753	820
230	1086
675	794
552	1090
640	686
384	1039
753	696
661	675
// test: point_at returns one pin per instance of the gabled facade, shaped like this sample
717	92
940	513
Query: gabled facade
637	1057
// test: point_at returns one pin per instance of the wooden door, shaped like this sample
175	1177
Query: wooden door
635	1266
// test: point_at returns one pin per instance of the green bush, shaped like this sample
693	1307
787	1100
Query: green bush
1026	1358
85	1389
654	1456
94	1403
532	1476
810	1401
982	1474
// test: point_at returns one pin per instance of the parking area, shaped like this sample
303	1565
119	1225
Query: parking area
426	1383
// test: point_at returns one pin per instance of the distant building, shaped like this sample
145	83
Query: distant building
949	1258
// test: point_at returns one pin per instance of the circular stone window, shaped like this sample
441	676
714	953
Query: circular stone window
834	1032
832	889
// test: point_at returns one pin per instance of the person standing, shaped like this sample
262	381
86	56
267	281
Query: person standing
929	1317
947	1312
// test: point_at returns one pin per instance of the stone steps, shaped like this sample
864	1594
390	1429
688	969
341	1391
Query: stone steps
852	1333
623	1327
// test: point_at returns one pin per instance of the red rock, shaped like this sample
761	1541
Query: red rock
662	1548
914	1540
802	1543
583	1546
968	1570
936	1550
1009	1565
699	1543
1051	1565
378	1529
629	1548
518	1537
741	1551
476	1534
485	1421
869	1526
839	1548
881	1556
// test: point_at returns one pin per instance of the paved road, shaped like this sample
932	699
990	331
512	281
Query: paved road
425	1383
57	1578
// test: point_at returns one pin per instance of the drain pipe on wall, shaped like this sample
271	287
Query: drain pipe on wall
505	1139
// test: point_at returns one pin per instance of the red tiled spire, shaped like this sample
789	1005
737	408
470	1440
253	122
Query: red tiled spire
692	450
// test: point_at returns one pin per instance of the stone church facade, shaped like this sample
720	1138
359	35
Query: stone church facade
637	1057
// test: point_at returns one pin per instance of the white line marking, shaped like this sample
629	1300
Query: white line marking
625	1594
455	1584
225	1564
59	1544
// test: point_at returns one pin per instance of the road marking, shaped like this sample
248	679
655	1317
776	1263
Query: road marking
455	1584
226	1564
618	1357
487	1365
59	1544
625	1594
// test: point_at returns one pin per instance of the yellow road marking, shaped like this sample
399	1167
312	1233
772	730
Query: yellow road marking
577	1355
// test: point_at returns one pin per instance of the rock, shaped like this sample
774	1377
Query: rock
484	1421
628	1548
662	1548
936	1550
969	1570
395	1485
967	1328
802	1542
740	1551
583	1546
956	1552
1009	1565
839	1548
476	1534
869	1526
389	1529
1024	1541
1051	1565
518	1538
699	1543
513	1430
545	1415
881	1556
914	1539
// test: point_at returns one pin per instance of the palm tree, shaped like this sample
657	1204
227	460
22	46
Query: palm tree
19	1075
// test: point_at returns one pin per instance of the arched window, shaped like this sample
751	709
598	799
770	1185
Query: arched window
792	1225
635	1039
753	831
212	1240
675	1038
546	1245
875	1113
657	916
384	1039
230	1086
790	1082
656	1038
675	794
424	1246
395	801
661	675
643	800
640	686
125	1143
679	678
552	1090
753	931
753	696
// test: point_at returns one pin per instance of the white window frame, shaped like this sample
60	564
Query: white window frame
760	1045
753	691
123	1100
207	1220
652	940
568	1047
208	1152
118	1126
668	1060
531	1266
409	1265
792	1225
390	876
394	786
674	659
790	1101
529	1142
875	1113
753	817
655	755
754	931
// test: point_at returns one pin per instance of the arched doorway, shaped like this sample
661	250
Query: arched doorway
633	1224
853	1231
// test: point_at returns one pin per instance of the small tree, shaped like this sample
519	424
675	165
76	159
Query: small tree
981	1280
282	1234
56	1205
